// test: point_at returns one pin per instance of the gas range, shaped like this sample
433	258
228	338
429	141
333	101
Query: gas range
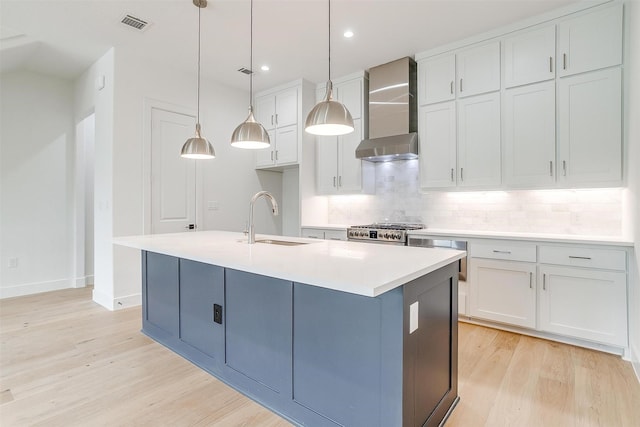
390	233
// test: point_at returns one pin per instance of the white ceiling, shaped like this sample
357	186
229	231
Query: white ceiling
64	37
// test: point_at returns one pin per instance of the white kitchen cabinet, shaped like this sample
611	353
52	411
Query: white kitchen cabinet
590	128
529	56
279	112
478	69
326	234
479	141
590	41
503	291
529	122
350	94
437	130
437	80
584	303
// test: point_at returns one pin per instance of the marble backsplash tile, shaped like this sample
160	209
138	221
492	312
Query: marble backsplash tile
398	198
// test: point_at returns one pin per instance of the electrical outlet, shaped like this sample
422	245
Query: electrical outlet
13	262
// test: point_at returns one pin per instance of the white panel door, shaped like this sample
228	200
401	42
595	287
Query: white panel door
479	141
326	165
287	107
528	57
584	303
503	291
286	145
590	128
530	135
590	42
349	167
265	156
437	80
437	132
173	178
265	111
350	94
478	69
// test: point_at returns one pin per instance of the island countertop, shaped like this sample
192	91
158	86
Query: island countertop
358	268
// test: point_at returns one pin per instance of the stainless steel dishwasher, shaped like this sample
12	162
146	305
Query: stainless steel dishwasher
428	242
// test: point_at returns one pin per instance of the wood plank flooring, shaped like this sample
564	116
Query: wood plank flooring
66	361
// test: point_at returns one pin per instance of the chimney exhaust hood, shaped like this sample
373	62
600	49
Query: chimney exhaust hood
393	113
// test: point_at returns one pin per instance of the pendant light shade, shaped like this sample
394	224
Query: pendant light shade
250	134
198	147
329	117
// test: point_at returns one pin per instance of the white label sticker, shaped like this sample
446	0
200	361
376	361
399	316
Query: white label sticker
413	317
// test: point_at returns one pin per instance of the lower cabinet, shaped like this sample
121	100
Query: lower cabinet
326	234
584	303
504	291
160	293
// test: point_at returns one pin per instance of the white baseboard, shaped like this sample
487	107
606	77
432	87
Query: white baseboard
635	361
35	288
81	282
118	303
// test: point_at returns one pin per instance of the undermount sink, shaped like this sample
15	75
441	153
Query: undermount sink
280	242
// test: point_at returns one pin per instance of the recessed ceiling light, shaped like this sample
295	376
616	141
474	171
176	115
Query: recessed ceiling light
348	34
265	68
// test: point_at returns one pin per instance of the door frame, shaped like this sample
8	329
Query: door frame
149	104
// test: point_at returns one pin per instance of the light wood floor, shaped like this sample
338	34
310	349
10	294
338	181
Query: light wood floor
65	361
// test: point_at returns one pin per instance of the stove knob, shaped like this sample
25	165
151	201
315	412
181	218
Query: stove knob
386	235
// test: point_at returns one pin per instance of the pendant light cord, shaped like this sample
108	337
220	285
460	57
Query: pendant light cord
199	9
329	40
251	58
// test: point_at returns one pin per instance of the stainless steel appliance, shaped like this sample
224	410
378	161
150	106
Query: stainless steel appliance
389	233
428	242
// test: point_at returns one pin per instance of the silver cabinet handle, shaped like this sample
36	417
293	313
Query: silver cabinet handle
550	167
334	238
276	118
452	175
461	174
340	181
451	87
272	156
312	237
544	282
460	85
564	168
272	119
334	181
495	251
579	257
564	61
551	64
276	154
530	280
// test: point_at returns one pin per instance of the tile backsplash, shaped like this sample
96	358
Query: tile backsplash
398	198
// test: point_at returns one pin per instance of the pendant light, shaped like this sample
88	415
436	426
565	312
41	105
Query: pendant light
329	117
250	134
198	147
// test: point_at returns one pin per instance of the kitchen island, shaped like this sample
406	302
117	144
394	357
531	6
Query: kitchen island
324	333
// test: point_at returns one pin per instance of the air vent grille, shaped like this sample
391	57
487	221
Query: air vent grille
245	71
133	22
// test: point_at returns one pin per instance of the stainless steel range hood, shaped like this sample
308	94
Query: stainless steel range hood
393	113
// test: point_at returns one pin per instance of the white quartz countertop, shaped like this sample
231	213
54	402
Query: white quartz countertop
360	268
326	226
538	237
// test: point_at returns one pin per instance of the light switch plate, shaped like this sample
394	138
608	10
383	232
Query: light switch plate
413	317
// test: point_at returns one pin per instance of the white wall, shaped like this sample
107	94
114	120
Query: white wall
37	144
633	140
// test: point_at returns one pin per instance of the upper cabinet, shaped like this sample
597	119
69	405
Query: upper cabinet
279	110
590	41
437	80
529	57
478	69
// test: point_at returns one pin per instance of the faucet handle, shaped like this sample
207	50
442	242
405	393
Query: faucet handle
246	229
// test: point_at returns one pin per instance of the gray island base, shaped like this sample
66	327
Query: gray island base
316	356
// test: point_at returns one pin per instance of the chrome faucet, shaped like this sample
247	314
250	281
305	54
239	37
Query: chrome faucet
274	209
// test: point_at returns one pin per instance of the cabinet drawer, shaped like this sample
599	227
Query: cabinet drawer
312	233
498	249
609	259
335	234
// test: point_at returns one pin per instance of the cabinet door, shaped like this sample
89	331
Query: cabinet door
265	113
437	80
258	332
312	233
437	130
201	286
590	41
584	303
528	57
287	107
478	69
479	140
350	94
503	291
349	167
326	164
265	156
530	135
286	145
160	303
590	128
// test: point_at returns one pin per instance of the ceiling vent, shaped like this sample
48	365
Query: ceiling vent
135	23
245	71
